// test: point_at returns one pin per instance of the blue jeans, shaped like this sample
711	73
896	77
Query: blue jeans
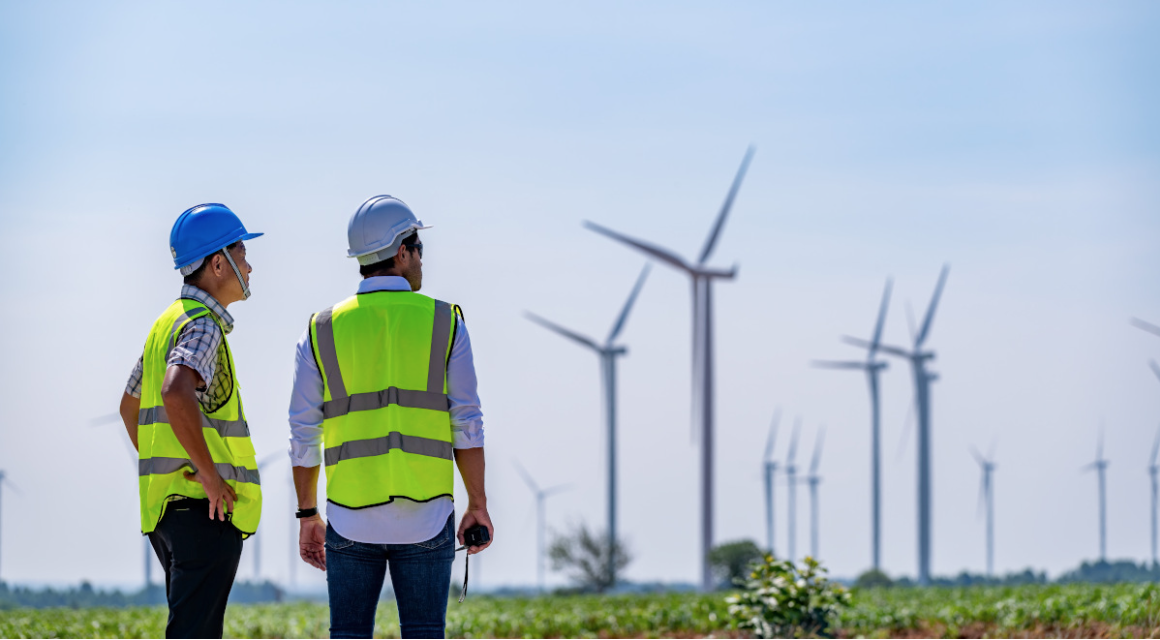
420	574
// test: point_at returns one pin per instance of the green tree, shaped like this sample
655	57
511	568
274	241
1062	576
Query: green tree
585	555
730	562
873	578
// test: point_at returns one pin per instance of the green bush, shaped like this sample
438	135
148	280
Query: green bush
782	600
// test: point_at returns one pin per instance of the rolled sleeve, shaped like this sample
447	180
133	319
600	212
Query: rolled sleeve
197	348
306	407
463	392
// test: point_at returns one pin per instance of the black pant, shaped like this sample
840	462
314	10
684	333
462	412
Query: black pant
200	557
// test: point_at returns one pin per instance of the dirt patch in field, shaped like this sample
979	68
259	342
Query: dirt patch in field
986	630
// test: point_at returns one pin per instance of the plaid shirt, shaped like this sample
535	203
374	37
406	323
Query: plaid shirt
198	347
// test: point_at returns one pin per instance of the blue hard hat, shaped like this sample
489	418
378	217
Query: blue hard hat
204	230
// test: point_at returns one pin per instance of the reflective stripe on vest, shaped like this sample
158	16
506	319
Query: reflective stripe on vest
395	440
160	466
225	428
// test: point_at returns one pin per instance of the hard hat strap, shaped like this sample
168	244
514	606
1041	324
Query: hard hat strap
238	273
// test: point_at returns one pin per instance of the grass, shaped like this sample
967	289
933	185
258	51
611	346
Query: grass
1028	611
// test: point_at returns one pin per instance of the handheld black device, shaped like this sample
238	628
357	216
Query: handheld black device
476	536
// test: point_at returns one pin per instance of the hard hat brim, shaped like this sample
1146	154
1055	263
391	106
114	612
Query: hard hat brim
208	252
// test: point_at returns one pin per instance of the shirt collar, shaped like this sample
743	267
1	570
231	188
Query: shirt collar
224	317
383	283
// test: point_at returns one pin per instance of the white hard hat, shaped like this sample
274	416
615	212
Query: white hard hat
378	228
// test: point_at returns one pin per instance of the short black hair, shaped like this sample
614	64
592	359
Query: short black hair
197	273
368	270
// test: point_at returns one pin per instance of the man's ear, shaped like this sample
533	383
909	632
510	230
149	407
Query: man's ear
400	253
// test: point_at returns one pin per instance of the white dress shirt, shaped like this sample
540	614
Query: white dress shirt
401	521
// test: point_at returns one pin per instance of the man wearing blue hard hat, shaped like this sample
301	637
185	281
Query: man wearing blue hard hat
197	476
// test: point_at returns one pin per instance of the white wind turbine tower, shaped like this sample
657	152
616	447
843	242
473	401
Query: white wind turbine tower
812	480
769	469
702	278
1100	465
1153	471
257	539
147	549
791	483
608	353
541	495
4	481
873	368
987	501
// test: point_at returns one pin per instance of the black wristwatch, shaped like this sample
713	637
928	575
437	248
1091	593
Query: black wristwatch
306	513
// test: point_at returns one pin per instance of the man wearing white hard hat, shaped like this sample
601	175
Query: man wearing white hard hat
385	397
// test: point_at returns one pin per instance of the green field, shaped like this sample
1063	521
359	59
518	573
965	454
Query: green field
1035	611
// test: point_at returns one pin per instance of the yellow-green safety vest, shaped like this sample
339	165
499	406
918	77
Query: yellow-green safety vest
162	461
386	427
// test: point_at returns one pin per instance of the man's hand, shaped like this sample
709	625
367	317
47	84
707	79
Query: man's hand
312	541
473	516
221	495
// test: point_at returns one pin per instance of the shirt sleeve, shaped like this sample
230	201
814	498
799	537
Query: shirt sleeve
463	392
306	407
133	387
197	347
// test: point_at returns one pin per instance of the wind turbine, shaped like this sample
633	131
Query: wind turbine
987	501
1155	330
791	480
5	481
541	495
702	278
769	468
872	367
1100	465
608	353
265	462
813	480
146	547
922	379
1153	470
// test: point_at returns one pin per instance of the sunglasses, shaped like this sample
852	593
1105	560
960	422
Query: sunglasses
417	245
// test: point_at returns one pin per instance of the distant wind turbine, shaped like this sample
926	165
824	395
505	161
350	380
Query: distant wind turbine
1153	471
146	547
702	280
769	469
608	353
791	482
1155	330
4	481
922	380
813	480
541	495
265	462
873	367
1100	465
987	501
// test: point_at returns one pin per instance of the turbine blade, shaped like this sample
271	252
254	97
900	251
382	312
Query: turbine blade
772	438
884	348
556	489
571	335
881	319
938	289
833	364
1145	326
978	457
664	255
910	326
527	477
105	419
797	427
616	328
711	242
817	451
1155	367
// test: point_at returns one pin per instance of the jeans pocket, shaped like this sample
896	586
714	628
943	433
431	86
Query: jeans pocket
335	541
442	538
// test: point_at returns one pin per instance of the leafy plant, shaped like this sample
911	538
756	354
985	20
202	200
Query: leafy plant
784	600
588	557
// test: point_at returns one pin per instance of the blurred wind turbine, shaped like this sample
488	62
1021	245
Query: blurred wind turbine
987	501
146	548
769	468
540	495
922	379
813	479
1100	465
608	353
702	398
1153	470
4	481
265	462
791	480
872	367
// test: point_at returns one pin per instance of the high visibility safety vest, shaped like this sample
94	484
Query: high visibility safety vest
162	461
386	427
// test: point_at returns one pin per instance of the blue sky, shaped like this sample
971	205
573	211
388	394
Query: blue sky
1018	144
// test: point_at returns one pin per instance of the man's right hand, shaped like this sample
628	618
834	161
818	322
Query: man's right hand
312	541
221	495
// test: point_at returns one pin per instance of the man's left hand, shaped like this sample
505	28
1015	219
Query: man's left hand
473	516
